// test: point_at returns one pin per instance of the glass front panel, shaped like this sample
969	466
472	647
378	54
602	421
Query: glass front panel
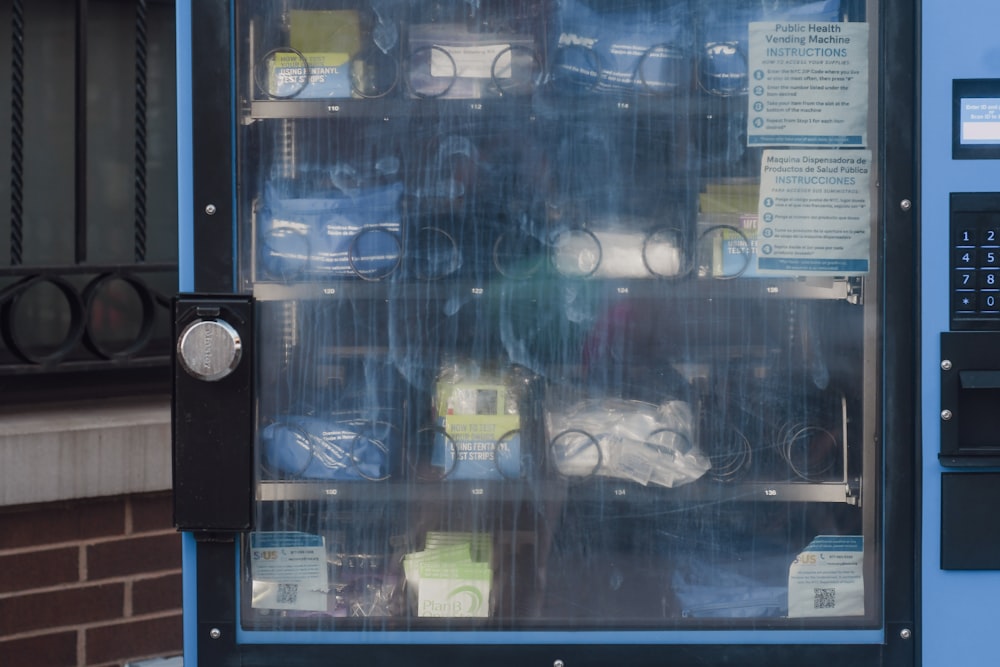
566	314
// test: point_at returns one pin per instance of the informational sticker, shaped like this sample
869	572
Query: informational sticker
479	436
319	75
808	84
827	578
480	61
814	213
289	571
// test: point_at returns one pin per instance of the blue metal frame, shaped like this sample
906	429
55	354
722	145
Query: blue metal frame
185	150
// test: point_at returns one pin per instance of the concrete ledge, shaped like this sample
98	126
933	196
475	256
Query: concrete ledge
84	450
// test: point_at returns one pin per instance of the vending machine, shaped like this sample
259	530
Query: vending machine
564	332
960	333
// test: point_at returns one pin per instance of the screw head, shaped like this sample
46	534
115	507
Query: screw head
215	633
946	415
905	633
905	205
558	663
946	364
210	209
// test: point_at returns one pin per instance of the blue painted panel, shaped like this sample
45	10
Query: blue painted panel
185	150
959	41
189	589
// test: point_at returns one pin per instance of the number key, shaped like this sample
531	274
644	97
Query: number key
965	237
989	302
965	257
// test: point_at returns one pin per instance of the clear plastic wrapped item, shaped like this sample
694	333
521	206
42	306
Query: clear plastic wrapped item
625	439
448	61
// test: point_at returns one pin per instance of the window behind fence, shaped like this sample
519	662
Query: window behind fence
89	181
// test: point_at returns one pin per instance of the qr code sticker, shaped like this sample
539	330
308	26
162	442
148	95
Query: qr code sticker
824	598
288	593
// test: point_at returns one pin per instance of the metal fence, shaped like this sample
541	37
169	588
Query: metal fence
92	264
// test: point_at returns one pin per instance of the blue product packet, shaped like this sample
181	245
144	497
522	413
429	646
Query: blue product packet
346	234
722	62
636	49
313	448
754	587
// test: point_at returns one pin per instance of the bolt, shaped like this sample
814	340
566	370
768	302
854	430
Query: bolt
946	415
215	633
946	365
558	663
210	209
905	205
905	633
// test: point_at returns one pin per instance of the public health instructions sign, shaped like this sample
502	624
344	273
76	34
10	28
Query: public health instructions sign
814	212
808	84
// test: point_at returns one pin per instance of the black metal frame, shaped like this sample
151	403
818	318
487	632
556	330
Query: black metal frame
216	610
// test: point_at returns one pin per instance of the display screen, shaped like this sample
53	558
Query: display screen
976	119
980	118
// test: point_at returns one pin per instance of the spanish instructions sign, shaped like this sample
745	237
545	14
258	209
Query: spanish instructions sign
808	84
814	212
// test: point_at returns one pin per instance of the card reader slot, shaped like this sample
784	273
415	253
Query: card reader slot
970	394
979	379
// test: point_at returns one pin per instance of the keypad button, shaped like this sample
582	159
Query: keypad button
965	258
964	302
989	302
966	236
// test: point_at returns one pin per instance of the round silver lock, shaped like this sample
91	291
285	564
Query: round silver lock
209	350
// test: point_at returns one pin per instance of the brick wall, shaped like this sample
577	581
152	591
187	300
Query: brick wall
94	583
